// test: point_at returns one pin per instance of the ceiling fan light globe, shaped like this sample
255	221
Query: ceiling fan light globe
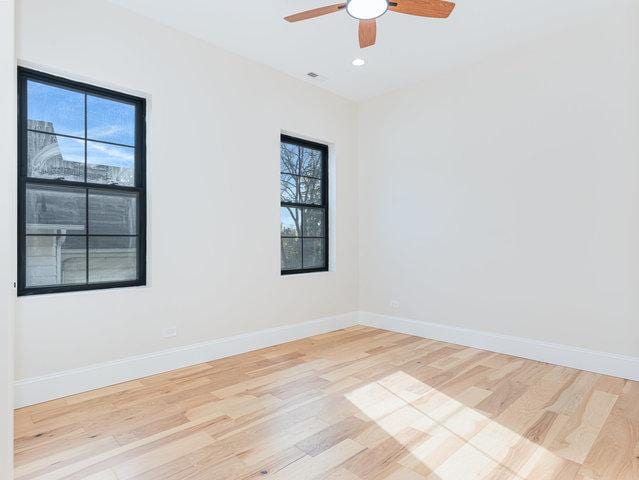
366	9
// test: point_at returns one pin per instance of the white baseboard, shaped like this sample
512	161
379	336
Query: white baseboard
61	384
558	354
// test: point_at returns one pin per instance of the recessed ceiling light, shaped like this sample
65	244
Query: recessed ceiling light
358	62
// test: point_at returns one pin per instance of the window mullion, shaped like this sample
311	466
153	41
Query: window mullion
86	178
94	186
300	205
302	235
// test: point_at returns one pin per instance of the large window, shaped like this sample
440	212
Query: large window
81	186
303	206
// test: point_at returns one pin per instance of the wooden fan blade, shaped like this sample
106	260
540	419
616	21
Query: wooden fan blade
316	12
367	33
423	8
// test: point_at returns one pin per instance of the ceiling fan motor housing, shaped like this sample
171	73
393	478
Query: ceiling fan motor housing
366	9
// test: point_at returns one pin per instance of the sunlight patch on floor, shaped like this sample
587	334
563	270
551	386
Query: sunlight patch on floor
457	441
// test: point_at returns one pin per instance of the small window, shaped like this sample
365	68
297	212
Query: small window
81	186
303	206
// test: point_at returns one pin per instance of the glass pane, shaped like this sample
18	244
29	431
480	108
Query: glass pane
112	259
51	156
55	260
110	121
313	252
311	163
289	158
55	210
110	164
289	188
112	213
313	222
310	191
291	253
291	221
54	109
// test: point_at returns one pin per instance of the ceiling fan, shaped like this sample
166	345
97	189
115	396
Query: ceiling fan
367	11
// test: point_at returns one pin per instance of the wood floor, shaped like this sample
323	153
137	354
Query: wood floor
354	404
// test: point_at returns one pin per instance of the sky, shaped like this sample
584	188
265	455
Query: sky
106	121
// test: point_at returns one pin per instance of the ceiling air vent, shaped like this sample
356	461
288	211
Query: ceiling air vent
316	77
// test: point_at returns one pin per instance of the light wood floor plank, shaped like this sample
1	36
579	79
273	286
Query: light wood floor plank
355	404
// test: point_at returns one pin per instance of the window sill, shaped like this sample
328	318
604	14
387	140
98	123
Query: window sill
307	274
113	289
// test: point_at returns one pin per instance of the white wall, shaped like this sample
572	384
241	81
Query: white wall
505	196
7	228
213	170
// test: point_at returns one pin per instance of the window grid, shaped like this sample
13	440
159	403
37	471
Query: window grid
88	139
303	206
24	181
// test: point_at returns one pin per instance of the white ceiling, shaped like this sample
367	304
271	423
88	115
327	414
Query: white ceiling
408	48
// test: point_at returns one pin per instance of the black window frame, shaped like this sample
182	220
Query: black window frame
324	205
139	187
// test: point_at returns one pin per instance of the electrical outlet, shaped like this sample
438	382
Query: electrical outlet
393	304
169	332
